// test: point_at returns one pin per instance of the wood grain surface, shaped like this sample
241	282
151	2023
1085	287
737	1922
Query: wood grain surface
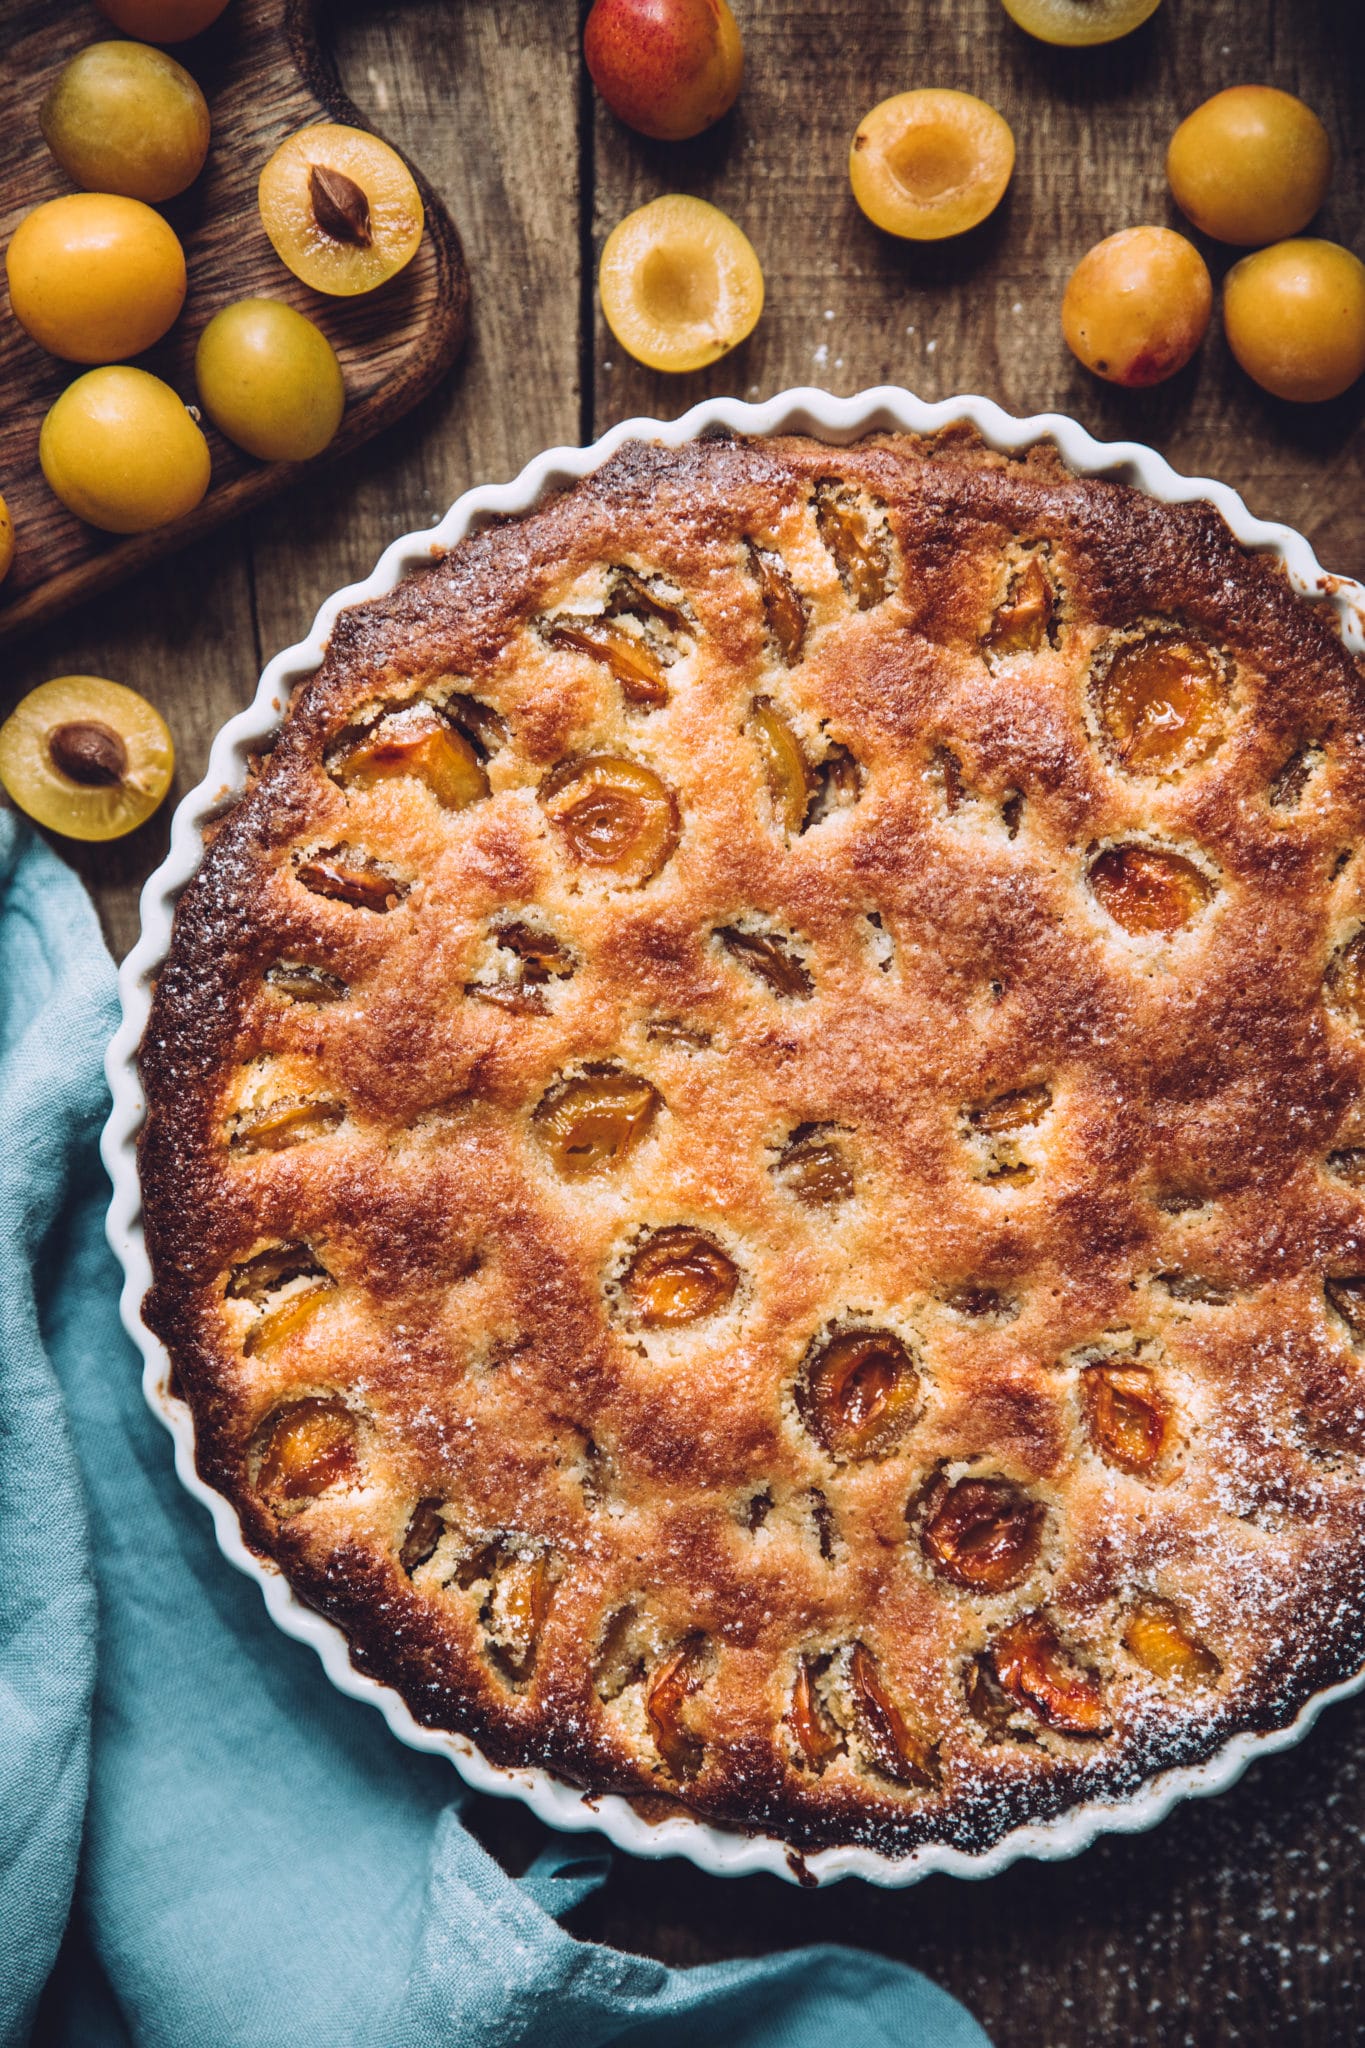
264	76
1239	1920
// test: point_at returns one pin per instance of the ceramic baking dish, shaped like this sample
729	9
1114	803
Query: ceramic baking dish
725	1853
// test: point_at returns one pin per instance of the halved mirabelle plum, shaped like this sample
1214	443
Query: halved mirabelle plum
817	1738
666	1697
415	740
1250	166
930	163
341	209
680	283
1147	891
635	665
814	1166
1137	306
293	1312
1035	1668
1158	1639
95	277
678	1276
274	1126
343	875
784	608
306	1447
770	959
1021	624
785	767
122	452
985	1534
1294	316
859	1393
1077	22
887	1742
1019	1109
592	1122
518	1606
1345	980
86	757
855	530
422	1535
1125	1416
612	813
1160	703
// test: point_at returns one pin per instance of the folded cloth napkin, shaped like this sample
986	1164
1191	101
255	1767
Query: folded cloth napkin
202	1844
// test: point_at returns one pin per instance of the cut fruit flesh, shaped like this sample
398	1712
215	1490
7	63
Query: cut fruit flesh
785	767
1125	1416
678	1276
930	163
86	757
887	1742
670	1689
813	1166
1159	1641
340	208
984	1534
613	813
1147	891
857	543
592	1123
1033	1666
770	960
1159	703
1079	22
344	876
860	1392
1022	624
816	1736
416	741
635	665
1017	1110
306	1448
784	608
274	1325
680	284
278	1125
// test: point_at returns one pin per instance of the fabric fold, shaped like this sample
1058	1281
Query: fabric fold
261	1864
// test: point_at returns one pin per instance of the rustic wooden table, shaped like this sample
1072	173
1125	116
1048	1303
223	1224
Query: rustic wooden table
1236	1921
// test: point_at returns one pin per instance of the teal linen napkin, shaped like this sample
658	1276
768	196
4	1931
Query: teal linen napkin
249	1859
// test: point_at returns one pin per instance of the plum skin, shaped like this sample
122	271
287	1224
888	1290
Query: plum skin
667	68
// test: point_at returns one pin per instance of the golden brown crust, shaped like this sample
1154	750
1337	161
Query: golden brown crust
1008	1291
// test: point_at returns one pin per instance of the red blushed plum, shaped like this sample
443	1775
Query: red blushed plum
668	68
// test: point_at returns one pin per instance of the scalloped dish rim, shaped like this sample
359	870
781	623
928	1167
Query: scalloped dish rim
561	1805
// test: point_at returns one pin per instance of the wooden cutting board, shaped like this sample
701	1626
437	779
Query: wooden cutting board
264	76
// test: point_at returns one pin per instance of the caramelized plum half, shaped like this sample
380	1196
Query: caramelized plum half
887	1742
1033	1667
1023	623
859	1393
1160	704
784	608
275	1125
678	1276
612	814
1147	890
666	1697
770	959
416	741
1346	980
857	537
1126	1418
422	1535
790	780
984	1534
813	1165
306	1447
1017	1110
592	1122
816	1736
1155	1635
345	876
